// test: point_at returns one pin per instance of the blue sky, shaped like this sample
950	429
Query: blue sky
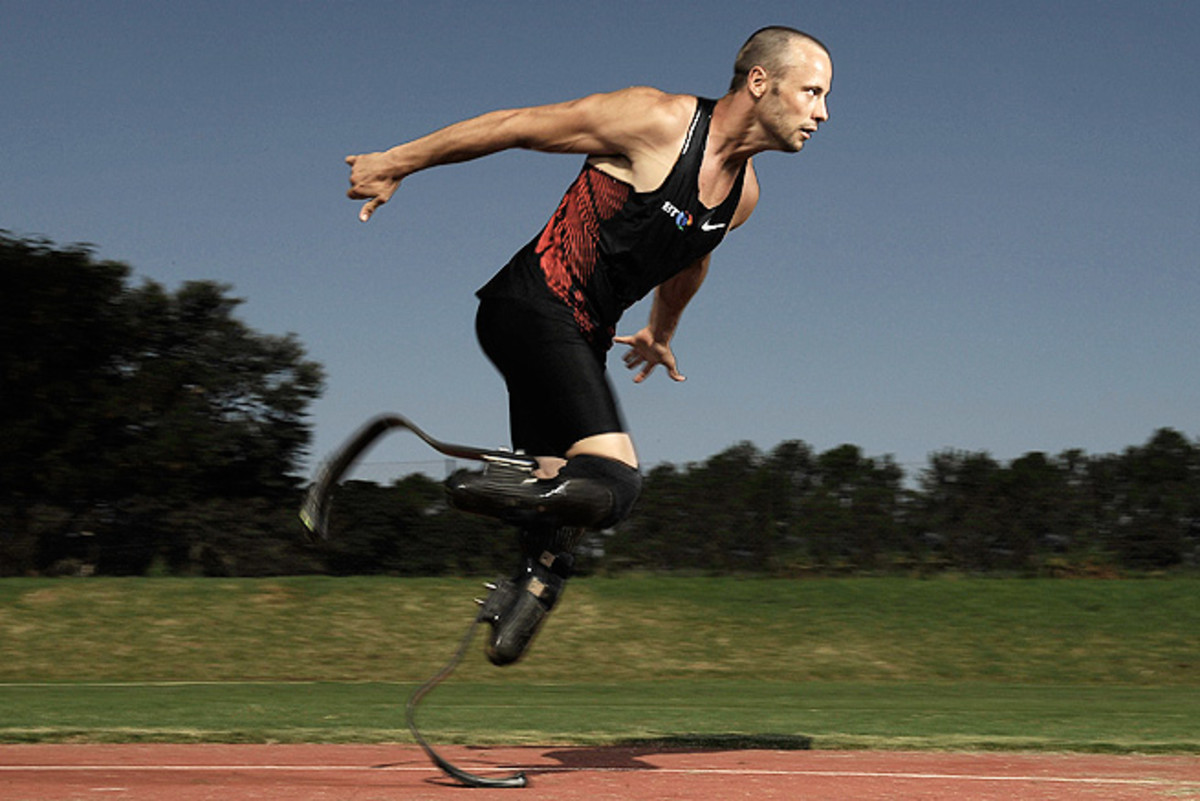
992	245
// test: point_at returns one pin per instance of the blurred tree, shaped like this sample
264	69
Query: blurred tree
852	514
960	510
1034	500
1159	502
208	407
121	405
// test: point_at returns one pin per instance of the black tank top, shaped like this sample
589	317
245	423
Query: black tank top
607	246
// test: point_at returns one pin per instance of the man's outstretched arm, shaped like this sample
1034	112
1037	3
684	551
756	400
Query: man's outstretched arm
627	124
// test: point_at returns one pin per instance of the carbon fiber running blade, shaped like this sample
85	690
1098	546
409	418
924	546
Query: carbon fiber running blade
314	512
410	713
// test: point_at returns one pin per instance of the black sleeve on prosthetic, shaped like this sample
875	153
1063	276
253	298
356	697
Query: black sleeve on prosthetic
623	481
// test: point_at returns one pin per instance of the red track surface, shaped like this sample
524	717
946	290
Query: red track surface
365	773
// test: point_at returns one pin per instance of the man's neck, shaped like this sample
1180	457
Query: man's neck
734	135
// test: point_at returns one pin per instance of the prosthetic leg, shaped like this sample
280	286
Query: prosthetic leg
589	491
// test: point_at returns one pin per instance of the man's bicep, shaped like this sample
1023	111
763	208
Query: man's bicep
613	123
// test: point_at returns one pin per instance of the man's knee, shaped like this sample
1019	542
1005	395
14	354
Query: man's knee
589	491
616	445
622	481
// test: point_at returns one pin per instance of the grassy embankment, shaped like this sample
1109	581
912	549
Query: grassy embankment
944	663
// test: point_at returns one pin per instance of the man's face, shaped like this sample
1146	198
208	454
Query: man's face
795	101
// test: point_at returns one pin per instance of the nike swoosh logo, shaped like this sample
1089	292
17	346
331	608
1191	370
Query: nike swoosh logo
707	226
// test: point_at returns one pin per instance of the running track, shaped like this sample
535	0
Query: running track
367	773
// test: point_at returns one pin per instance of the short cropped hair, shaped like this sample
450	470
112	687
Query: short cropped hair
767	48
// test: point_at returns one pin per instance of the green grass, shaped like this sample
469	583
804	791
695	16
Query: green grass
773	715
885	663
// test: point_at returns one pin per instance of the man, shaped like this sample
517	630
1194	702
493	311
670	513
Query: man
666	176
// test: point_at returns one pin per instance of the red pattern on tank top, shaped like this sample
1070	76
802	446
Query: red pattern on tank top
567	247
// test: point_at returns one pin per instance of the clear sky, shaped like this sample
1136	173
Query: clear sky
993	244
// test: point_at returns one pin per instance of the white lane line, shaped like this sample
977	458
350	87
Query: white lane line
1095	780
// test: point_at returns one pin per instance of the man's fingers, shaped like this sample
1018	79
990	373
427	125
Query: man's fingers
369	207
644	357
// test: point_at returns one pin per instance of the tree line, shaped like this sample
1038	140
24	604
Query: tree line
795	512
144	430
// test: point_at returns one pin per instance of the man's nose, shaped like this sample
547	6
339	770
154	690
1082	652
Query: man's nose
822	112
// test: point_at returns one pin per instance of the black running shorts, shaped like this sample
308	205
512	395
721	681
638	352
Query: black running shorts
558	390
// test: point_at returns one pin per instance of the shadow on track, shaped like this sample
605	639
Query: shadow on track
628	754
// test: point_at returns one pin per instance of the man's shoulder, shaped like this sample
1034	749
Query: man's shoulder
639	130
657	103
658	115
653	96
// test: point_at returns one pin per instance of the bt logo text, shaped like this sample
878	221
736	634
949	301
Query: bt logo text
683	219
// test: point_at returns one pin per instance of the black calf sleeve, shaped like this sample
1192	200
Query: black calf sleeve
623	481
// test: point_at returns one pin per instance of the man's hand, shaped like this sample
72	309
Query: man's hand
646	353
372	180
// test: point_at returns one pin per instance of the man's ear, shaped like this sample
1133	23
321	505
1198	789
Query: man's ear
758	82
